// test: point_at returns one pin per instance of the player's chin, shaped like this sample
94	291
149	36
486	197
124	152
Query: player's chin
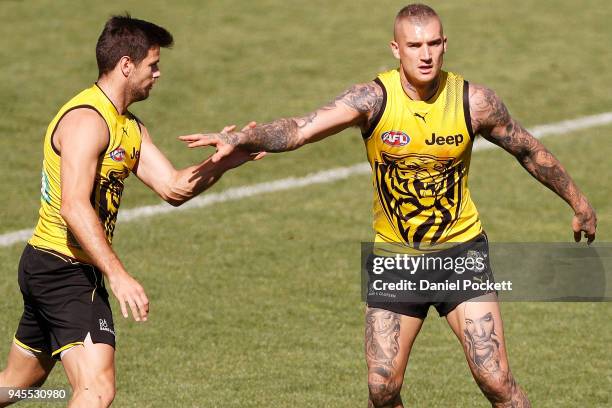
418	77
426	76
142	95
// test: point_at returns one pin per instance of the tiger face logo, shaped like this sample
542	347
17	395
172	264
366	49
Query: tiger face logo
420	194
108	195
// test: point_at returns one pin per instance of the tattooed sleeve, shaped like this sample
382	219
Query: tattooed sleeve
490	118
356	106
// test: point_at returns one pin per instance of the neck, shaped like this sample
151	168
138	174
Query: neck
422	92
115	91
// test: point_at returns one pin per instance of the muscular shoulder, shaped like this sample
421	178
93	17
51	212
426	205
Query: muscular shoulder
487	110
84	116
366	98
84	126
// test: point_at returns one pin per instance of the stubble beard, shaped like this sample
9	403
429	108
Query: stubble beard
137	95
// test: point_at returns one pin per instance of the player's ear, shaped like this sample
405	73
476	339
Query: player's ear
126	65
395	49
445	44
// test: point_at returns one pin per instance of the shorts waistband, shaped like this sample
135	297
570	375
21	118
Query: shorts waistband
67	259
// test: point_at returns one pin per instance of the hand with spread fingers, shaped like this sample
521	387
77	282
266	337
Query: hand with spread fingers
224	142
233	156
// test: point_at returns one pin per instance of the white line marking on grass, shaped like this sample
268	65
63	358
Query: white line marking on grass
321	177
558	128
14	237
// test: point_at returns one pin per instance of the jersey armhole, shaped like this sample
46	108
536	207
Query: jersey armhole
140	125
62	117
139	122
466	109
383	106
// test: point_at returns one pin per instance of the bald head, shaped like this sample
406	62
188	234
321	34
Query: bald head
419	14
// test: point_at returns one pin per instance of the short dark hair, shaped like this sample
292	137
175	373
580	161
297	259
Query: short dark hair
416	10
127	36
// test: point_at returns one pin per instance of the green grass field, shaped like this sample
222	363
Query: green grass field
256	302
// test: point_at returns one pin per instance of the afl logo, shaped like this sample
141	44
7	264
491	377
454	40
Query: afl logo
395	138
118	154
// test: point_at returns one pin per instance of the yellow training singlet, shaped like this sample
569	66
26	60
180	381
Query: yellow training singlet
420	155
114	166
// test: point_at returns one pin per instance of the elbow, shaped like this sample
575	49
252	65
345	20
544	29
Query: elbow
524	156
175	196
67	209
175	200
531	151
171	191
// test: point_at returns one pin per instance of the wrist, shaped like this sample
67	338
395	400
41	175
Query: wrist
113	271
581	205
232	138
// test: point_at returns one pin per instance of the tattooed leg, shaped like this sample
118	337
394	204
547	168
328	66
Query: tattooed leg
388	339
478	326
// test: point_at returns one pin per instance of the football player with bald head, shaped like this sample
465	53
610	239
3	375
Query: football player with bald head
418	124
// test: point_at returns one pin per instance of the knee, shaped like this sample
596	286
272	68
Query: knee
97	393
383	391
500	389
105	391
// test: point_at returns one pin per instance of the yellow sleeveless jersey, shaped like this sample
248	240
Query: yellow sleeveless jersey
420	155
114	166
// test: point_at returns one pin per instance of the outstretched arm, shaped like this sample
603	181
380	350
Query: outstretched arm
490	118
356	106
178	186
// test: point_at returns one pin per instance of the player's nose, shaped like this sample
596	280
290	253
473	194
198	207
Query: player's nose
426	54
156	71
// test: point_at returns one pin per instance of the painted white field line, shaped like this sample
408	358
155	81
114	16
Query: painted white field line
321	177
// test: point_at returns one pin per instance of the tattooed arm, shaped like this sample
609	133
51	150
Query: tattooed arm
356	106
491	119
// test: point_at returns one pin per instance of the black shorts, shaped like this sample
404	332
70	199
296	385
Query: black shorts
443	279
64	300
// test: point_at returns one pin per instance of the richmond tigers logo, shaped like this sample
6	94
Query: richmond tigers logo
107	193
110	191
420	195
